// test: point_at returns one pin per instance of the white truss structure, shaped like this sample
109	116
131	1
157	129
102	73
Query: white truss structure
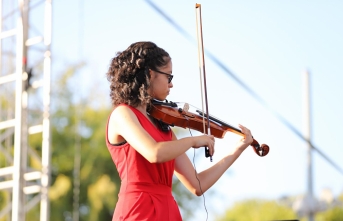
25	49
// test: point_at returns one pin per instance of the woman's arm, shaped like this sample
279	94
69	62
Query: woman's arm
123	122
186	173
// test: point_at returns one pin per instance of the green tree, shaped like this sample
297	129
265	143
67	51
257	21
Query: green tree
335	213
257	210
77	122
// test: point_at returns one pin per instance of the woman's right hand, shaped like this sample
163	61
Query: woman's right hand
205	141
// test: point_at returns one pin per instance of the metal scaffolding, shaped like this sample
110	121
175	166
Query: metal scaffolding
25	70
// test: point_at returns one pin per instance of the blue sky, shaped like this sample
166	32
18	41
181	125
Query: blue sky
267	44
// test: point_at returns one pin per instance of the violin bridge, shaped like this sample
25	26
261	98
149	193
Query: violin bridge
186	107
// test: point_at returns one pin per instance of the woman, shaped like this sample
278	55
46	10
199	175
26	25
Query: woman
145	156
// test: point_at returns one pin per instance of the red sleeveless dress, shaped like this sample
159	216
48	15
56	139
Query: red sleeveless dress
145	193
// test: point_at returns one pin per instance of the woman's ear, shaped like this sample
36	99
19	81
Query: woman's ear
151	74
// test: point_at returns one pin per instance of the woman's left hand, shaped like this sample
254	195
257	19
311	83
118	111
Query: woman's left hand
247	139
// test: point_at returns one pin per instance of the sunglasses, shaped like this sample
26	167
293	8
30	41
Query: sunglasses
170	76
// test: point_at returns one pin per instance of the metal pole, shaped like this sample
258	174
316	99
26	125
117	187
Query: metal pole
21	136
309	150
46	142
18	212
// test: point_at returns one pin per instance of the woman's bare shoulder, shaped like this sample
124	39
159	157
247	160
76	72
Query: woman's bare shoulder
122	113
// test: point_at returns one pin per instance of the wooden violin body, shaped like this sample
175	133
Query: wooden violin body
169	113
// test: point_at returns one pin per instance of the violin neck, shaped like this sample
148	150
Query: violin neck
216	120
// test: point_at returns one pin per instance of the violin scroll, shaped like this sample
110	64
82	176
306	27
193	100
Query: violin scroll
261	150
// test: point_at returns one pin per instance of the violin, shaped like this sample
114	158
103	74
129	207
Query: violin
171	114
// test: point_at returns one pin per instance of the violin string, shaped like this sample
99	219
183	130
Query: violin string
196	176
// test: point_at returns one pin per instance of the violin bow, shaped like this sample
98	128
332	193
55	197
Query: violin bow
201	60
261	150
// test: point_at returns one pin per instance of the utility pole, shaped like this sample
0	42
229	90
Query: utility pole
308	132
25	185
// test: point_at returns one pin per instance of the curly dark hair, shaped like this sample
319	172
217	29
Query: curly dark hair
128	73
